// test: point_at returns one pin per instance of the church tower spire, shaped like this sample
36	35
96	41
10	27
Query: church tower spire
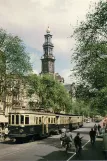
48	59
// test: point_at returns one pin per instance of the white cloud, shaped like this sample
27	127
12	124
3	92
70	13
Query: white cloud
66	74
34	57
29	20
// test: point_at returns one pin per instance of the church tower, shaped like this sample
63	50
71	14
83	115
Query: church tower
48	60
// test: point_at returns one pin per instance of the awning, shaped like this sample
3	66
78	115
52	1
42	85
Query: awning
3	119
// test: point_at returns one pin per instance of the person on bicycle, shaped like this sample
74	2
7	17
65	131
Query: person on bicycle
68	136
63	130
77	141
92	134
95	128
99	128
63	133
68	140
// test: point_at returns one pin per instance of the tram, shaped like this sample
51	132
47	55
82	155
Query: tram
27	124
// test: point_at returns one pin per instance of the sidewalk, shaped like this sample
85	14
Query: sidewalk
90	152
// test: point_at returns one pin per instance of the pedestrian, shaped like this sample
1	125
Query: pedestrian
105	143
92	134
6	132
95	127
77	142
104	124
99	128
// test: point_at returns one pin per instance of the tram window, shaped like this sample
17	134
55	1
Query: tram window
22	119
63	120
17	119
51	120
9	119
12	119
36	120
26	119
40	121
54	120
48	120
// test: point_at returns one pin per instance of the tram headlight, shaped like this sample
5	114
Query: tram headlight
21	130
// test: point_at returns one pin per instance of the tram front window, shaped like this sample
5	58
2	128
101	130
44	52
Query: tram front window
12	119
17	119
26	119
22	119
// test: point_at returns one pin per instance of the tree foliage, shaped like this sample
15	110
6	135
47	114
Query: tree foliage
90	54
14	61
52	94
13	54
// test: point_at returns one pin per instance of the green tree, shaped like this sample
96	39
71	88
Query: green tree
52	94
15	60
90	54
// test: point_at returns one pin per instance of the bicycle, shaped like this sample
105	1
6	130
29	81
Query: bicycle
68	146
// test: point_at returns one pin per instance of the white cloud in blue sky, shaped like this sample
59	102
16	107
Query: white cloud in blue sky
29	20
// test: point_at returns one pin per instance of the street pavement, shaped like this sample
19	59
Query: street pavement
50	149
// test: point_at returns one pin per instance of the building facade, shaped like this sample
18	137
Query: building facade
16	97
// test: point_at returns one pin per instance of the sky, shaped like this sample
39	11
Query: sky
29	19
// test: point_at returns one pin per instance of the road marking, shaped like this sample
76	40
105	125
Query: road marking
75	153
71	152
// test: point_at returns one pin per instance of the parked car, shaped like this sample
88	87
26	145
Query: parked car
88	121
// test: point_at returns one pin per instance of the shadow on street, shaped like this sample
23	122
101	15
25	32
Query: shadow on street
56	155
91	152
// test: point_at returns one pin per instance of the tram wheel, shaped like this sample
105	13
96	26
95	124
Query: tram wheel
18	140
33	138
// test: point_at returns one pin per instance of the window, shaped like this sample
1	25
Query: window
26	119
12	119
40	121
17	119
51	120
48	120
22	119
